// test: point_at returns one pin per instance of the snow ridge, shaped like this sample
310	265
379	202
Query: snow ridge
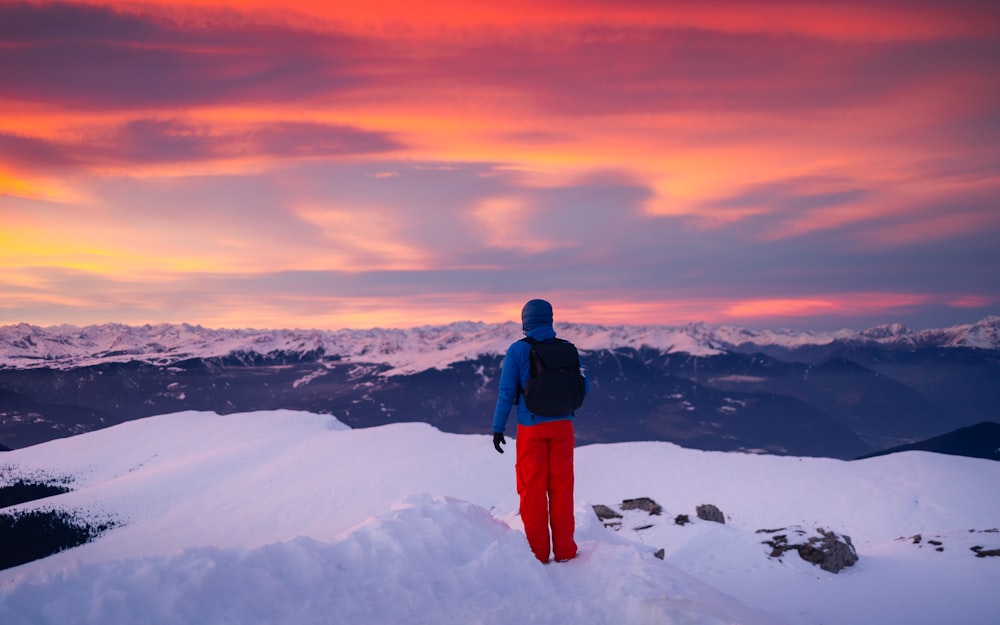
418	349
291	517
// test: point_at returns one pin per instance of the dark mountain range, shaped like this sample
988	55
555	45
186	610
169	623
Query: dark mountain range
976	441
697	387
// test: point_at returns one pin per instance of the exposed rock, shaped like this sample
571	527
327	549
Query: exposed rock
829	550
605	513
682	519
613	520
642	503
608	517
708	512
984	553
964	541
660	553
981	552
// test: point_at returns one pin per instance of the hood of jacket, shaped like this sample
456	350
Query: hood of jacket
541	333
536	312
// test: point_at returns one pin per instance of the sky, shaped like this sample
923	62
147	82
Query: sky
764	163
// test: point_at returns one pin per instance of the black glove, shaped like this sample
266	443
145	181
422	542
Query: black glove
498	440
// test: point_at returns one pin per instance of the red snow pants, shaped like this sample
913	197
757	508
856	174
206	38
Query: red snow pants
545	484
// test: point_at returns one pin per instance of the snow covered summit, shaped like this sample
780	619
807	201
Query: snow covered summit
418	349
290	517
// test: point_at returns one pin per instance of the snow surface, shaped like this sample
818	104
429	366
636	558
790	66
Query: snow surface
418	349
291	517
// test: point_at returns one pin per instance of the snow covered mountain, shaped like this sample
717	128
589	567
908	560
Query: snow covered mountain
291	517
838	395
419	349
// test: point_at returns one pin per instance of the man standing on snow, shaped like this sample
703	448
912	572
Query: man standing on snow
544	463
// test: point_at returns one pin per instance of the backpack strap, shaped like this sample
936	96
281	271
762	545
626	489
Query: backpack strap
520	389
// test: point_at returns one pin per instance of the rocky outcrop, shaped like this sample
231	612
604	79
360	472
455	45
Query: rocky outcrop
613	519
608	517
643	503
708	512
972	540
985	553
829	550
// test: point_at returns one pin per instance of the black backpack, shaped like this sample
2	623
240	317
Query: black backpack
555	385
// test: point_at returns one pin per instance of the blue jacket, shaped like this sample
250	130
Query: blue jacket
516	370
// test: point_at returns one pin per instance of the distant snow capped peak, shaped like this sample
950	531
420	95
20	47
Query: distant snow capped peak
427	347
984	334
886	331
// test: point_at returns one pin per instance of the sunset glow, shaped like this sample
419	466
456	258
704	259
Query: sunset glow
393	163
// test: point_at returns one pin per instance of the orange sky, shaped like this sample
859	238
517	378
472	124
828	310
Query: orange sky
394	164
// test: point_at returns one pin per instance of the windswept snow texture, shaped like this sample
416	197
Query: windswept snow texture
290	517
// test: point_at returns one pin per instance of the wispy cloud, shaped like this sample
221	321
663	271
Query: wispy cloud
153	141
67	55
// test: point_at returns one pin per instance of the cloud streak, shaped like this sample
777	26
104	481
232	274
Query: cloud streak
76	55
153	141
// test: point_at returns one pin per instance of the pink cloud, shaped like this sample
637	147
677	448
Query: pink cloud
771	160
847	304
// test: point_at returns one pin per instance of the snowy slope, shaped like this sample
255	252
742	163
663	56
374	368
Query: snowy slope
289	517
418	349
